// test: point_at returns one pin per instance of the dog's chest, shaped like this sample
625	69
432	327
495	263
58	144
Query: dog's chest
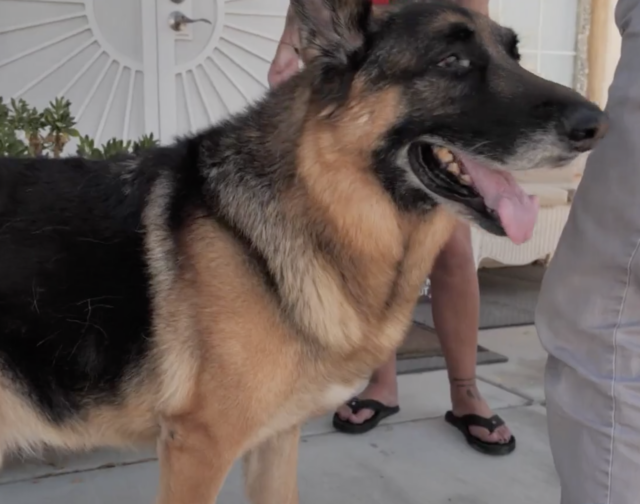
306	404
321	400
336	394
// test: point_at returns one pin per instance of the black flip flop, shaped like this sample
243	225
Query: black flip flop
380	412
463	423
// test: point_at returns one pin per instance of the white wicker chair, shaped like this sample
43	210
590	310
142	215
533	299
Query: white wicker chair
555	203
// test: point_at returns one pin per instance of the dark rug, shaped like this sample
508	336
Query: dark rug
421	352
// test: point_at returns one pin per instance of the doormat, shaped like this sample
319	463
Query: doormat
421	352
508	297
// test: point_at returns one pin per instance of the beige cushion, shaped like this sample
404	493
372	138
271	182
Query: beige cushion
548	194
567	174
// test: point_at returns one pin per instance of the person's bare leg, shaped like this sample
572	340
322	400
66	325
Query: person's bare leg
382	387
456	301
456	306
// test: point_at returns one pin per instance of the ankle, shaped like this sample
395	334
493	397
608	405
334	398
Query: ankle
464	390
383	384
462	383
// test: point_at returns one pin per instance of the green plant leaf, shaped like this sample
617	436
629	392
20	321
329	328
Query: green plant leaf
24	130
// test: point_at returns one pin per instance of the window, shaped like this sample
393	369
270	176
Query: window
548	32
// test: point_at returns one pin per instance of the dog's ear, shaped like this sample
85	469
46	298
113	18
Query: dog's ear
333	38
331	29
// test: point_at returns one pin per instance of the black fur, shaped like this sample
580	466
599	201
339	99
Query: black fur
74	300
75	297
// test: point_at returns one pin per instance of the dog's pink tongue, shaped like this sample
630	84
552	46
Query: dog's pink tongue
517	210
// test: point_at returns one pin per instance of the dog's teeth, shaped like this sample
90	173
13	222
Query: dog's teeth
465	179
444	155
453	168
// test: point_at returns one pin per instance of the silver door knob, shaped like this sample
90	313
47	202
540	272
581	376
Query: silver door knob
177	21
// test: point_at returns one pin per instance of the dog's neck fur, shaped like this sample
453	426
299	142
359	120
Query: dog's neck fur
368	279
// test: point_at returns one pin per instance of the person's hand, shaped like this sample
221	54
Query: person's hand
285	64
286	61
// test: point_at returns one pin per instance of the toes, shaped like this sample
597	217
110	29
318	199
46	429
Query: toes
504	434
484	435
501	435
344	412
362	416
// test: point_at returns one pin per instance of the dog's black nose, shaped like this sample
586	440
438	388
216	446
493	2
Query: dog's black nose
584	125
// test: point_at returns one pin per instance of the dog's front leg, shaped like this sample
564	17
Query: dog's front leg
194	461
271	470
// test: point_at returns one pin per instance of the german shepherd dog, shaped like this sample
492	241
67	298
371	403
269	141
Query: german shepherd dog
212	295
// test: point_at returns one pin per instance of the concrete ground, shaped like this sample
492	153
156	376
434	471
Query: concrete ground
413	458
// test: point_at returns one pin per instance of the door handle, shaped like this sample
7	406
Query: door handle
177	21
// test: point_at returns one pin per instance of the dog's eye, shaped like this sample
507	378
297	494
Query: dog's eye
454	61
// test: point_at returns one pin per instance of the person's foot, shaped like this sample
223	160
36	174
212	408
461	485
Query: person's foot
465	400
386	393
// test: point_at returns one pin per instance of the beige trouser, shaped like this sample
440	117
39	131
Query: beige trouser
588	315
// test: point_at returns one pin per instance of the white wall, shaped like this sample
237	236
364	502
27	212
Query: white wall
547	30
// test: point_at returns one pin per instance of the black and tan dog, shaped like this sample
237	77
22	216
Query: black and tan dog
215	294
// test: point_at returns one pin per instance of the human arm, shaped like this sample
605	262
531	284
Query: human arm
286	61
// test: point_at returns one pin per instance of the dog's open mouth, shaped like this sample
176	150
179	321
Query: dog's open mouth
492	196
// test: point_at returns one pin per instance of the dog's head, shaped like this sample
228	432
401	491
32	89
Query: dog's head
465	113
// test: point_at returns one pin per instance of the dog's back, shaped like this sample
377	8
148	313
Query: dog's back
74	303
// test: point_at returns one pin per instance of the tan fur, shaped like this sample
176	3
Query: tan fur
130	424
229	374
257	378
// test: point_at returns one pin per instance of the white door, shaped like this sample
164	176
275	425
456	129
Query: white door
215	65
127	72
89	51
